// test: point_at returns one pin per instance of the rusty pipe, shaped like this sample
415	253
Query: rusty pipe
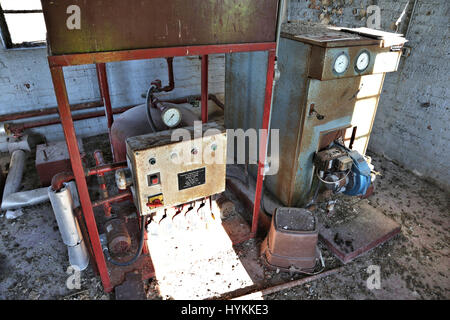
62	177
48	111
116	198
106	168
18	128
98	156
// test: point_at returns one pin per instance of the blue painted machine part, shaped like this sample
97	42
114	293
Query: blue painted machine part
361	176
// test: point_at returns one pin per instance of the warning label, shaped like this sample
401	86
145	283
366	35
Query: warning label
191	179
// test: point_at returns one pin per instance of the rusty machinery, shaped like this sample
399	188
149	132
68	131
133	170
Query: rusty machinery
144	155
324	107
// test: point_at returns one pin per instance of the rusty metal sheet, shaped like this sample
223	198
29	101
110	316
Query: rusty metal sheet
53	158
135	24
369	229
323	35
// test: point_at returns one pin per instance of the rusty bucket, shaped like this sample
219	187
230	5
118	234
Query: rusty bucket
291	244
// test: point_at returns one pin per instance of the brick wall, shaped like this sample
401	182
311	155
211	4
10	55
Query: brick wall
25	84
412	123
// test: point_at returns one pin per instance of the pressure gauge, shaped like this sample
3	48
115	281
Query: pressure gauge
171	117
341	63
362	62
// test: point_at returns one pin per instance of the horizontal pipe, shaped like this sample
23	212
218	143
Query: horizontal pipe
47	111
59	179
17	128
24	199
188	99
116	198
107	168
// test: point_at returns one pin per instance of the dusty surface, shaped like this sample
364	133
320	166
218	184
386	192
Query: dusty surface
413	265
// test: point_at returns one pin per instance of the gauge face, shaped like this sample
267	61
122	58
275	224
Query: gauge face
363	61
171	117
341	63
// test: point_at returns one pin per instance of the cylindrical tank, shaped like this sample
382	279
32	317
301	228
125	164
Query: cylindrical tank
134	123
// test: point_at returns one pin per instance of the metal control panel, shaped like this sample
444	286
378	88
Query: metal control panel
174	167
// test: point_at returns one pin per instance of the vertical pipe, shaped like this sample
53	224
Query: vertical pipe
104	92
14	178
263	139
205	88
98	156
77	167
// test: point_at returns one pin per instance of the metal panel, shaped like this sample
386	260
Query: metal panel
172	163
136	24
344	103
381	60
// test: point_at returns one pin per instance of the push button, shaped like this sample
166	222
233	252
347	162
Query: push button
153	179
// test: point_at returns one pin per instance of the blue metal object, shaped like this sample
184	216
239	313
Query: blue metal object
360	179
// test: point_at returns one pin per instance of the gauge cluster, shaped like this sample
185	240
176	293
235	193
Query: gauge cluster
342	62
328	63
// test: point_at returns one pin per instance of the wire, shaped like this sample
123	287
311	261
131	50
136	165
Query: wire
333	182
139	250
148	106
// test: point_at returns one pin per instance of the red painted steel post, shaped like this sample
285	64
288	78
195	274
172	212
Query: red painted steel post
77	167
263	139
104	91
205	88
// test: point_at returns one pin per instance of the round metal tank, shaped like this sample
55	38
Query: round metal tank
134	123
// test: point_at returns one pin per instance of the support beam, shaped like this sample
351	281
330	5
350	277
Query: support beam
77	167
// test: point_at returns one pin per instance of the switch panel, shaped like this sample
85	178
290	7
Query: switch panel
168	172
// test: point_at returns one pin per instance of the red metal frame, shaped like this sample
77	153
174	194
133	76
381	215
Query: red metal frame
56	66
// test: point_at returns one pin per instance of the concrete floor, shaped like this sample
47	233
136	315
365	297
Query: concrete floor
414	265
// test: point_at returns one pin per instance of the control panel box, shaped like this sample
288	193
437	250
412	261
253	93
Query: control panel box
174	167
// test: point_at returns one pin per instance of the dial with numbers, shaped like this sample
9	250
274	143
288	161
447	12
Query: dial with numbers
341	63
362	62
171	117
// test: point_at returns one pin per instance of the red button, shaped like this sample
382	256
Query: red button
155	181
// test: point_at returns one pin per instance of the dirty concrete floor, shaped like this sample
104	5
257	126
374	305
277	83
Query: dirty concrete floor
414	264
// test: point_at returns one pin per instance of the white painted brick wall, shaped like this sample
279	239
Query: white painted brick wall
412	123
25	84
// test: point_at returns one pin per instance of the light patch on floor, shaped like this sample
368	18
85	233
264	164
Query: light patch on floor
196	264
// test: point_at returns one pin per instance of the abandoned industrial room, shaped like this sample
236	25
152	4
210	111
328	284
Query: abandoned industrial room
224	150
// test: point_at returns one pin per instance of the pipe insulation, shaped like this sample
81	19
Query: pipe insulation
13	199
64	202
25	198
14	178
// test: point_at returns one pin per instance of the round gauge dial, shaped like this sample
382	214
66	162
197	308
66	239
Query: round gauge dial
171	117
362	62
341	63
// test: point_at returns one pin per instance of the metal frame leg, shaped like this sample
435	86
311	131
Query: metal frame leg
77	167
104	92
